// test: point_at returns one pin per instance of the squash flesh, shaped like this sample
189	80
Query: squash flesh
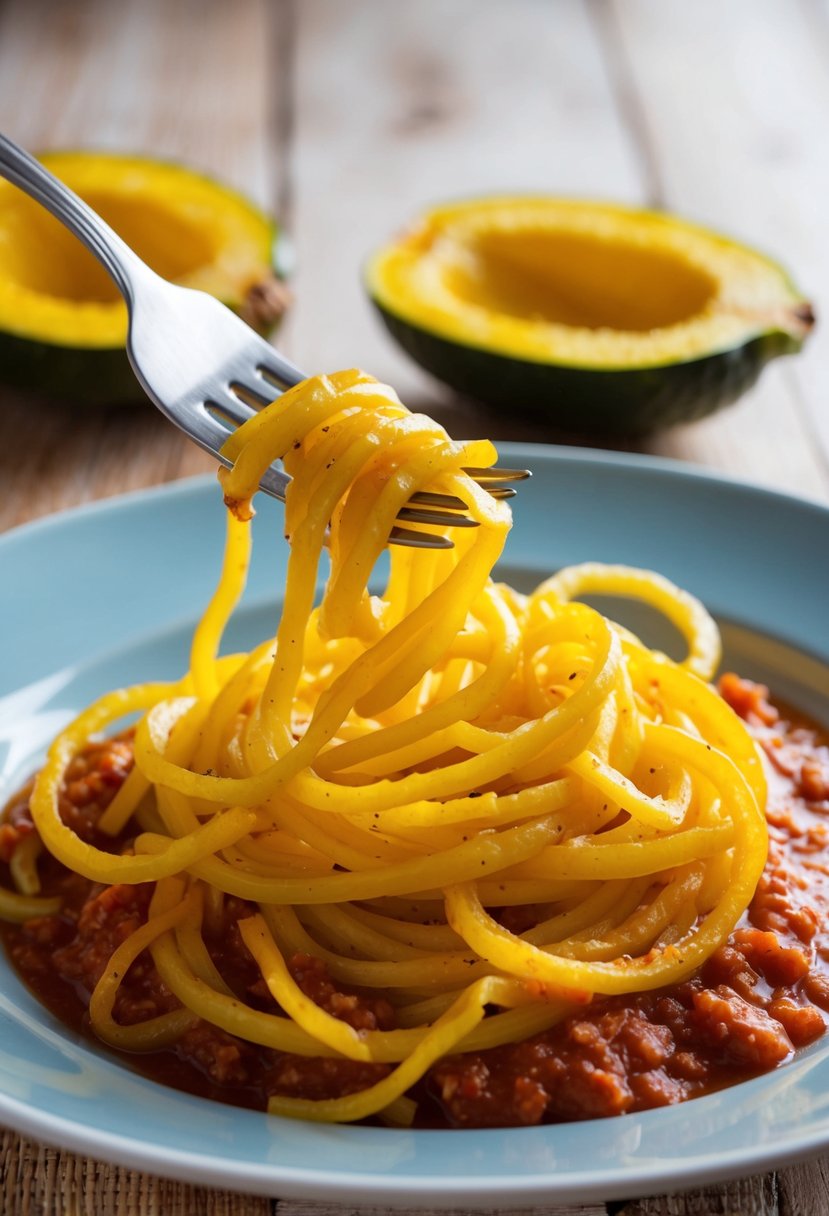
580	284
186	227
572	279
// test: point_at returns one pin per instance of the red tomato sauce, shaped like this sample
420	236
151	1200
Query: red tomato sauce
762	995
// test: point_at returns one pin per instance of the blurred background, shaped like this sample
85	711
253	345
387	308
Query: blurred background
344	117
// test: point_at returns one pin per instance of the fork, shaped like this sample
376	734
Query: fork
200	364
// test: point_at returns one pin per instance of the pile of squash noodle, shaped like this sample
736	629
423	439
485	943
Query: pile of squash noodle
392	770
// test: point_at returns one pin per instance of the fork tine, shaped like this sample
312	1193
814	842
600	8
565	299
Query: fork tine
213	430
409	515
484	477
448	502
210	423
418	540
278	372
228	408
253	397
275	482
443	502
496	474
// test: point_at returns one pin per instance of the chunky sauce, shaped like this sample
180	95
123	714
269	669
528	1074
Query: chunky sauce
761	996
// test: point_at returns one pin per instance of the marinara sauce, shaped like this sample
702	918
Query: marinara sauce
759	998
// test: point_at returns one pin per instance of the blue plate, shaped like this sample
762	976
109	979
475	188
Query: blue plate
108	594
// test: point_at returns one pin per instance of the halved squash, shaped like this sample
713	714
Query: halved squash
592	316
63	322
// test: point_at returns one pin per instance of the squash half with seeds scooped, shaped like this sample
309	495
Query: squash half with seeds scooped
63	322
593	317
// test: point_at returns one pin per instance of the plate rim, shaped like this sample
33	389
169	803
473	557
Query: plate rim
570	453
401	1189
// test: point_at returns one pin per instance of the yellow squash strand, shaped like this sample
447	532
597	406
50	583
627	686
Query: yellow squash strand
420	749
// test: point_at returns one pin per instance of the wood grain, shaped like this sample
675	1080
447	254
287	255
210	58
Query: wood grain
40	1181
730	144
348	115
757	1196
149	78
757	172
444	100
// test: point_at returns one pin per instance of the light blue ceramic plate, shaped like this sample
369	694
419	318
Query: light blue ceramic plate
108	595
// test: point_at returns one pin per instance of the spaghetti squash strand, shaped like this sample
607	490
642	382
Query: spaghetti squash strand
420	750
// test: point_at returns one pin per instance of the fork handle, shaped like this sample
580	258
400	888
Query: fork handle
23	171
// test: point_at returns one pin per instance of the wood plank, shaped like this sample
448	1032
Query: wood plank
40	1181
803	1188
734	99
183	82
150	78
180	81
399	106
756	1196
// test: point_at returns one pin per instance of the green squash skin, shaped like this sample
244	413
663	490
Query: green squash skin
78	375
96	375
625	403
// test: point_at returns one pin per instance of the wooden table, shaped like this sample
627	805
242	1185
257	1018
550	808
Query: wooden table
344	116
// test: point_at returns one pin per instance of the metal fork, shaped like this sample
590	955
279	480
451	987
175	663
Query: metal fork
199	363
